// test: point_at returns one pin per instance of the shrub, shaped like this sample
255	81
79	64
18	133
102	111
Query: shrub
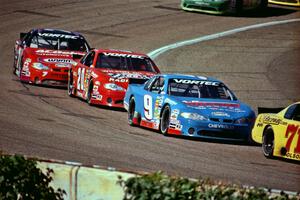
158	186
21	179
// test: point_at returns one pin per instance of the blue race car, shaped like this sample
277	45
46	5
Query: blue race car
188	105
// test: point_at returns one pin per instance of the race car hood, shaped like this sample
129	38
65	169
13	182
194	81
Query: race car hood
121	77
54	58
221	109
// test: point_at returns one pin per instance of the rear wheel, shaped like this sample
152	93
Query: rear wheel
165	120
131	110
268	142
90	93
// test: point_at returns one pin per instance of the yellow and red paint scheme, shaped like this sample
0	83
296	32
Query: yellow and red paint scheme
285	127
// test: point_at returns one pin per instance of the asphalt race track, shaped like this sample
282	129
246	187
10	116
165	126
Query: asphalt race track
260	65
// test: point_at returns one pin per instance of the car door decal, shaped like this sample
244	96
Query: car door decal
80	78
148	112
290	133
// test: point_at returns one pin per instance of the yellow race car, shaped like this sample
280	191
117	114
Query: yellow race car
279	133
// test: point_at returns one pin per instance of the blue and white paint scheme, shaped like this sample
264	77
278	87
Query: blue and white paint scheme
194	106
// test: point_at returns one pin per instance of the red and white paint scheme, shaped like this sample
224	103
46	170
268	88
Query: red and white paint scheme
44	56
102	76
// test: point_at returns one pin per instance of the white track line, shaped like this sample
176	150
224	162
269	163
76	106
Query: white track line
155	53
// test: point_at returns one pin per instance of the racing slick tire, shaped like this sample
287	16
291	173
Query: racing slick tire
268	142
165	120
71	90
131	110
90	93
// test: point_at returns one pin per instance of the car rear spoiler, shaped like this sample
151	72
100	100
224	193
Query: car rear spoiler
268	110
137	81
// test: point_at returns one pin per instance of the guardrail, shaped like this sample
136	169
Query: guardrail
82	182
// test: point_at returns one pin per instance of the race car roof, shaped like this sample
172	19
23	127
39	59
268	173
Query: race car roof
193	77
119	52
56	31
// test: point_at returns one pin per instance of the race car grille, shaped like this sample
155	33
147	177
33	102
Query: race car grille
221	120
59	70
119	102
60	76
221	134
201	7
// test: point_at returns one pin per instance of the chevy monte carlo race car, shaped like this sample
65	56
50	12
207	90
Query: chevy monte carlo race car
222	6
187	105
101	76
279	133
44	56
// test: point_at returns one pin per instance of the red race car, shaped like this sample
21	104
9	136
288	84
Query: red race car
102	76
44	56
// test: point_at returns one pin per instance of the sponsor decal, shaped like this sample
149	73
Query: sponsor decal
57	35
220	114
55	52
157	107
57	60
211	104
94	75
260	125
197	82
61	65
25	69
174	114
123	55
97	97
293	155
119	80
127	75
220	126
169	101
273	120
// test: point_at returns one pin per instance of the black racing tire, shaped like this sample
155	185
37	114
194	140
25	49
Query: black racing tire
70	84
131	110
90	93
15	65
165	120
268	142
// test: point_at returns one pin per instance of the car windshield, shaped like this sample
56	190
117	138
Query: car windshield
127	62
199	89
59	42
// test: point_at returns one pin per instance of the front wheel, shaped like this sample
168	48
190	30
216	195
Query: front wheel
71	92
131	110
165	120
268	143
